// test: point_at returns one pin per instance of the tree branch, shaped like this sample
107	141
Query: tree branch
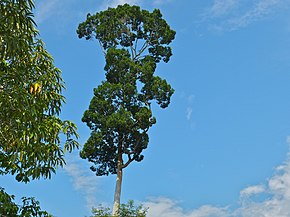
103	50
139	57
129	33
129	161
132	51
136	43
144	46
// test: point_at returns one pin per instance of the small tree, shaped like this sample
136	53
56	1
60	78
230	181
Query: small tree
126	210
133	42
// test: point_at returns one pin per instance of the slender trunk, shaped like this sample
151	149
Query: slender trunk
117	196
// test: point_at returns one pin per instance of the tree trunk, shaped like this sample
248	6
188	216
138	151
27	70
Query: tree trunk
117	196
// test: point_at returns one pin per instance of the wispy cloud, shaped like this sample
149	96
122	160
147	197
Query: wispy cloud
189	109
83	181
274	201
258	12
45	9
229	15
60	12
66	10
221	7
188	113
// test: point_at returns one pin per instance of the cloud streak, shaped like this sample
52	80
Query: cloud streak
188	113
45	9
275	201
84	182
189	109
66	10
59	12
221	7
229	15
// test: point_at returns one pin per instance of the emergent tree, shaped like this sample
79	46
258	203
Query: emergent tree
119	116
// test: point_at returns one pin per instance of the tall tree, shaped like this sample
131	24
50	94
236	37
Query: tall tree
30	99
119	116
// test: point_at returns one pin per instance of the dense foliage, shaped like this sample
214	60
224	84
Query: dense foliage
30	98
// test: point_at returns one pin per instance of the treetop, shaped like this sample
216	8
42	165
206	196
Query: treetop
127	25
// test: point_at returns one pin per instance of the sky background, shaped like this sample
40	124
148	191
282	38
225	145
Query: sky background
221	149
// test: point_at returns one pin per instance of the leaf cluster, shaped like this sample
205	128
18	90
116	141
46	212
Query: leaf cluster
29	207
119	113
30	129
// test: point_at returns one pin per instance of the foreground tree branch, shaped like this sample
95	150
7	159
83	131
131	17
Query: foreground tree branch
30	99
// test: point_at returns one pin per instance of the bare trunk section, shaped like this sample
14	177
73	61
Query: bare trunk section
117	196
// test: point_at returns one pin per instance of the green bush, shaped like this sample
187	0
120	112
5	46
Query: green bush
126	210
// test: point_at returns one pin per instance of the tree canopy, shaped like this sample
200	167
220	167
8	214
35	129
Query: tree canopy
30	99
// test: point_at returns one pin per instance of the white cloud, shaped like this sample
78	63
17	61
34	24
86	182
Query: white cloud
164	207
189	109
274	201
83	181
60	12
67	10
221	7
189	113
259	11
46	9
251	190
231	15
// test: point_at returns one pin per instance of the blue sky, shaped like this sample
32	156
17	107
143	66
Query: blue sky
221	149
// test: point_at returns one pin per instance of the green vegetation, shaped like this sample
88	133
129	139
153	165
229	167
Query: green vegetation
30	207
119	116
30	102
30	99
126	210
